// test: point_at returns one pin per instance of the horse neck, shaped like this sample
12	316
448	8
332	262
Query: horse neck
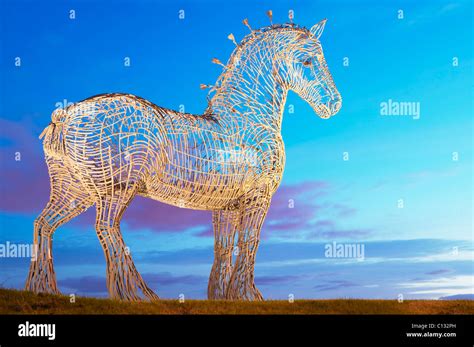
249	92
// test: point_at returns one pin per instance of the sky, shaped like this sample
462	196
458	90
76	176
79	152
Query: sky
397	186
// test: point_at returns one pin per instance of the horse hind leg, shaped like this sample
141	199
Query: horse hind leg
124	282
67	200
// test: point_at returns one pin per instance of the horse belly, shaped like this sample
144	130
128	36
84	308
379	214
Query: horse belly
202	191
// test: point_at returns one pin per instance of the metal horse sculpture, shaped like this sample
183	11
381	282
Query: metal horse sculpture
107	149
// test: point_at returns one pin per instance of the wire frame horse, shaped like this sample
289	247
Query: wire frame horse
107	149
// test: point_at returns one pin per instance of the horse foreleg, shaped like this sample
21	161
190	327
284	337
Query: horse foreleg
124	282
254	207
225	223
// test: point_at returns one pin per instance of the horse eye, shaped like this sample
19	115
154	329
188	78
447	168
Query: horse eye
307	62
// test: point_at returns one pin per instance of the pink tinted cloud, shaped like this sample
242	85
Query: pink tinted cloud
156	216
302	211
294	208
25	183
343	210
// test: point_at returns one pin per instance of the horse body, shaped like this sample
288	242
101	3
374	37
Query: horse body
190	161
108	149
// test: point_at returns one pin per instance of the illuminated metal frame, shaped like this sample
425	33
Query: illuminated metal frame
109	148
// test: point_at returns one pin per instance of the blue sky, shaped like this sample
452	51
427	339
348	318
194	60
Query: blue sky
423	250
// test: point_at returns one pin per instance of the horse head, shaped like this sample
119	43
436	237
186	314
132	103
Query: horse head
306	71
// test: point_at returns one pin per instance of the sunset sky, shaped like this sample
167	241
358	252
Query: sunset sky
423	250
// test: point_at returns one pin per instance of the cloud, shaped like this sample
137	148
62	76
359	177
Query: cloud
97	284
167	279
443	286
335	285
448	8
25	183
438	272
458	297
85	284
274	280
344	210
298	211
433	13
327	229
179	257
145	213
292	209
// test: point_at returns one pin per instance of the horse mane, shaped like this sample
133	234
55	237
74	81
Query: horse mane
249	39
283	27
257	35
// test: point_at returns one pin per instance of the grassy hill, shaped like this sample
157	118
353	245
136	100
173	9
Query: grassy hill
21	302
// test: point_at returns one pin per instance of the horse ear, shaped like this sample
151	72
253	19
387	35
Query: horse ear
317	29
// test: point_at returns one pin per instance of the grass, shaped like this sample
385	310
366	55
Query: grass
22	302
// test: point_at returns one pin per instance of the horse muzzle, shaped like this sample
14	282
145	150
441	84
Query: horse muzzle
329	109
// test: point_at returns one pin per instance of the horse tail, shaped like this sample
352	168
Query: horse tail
54	141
